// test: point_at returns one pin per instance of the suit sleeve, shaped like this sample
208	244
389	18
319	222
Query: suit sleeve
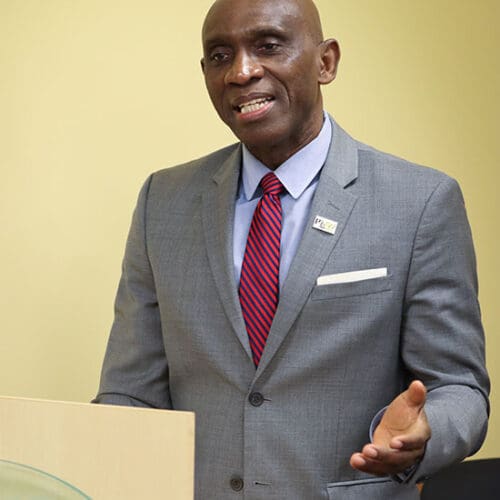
135	371
442	338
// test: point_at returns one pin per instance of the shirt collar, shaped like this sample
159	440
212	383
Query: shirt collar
297	172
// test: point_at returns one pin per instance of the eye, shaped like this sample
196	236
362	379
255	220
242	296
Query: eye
269	47
219	56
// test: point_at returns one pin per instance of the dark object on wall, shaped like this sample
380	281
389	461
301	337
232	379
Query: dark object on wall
471	480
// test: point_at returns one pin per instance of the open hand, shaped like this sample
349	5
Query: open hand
399	439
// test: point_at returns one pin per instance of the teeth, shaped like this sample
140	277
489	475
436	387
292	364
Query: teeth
254	105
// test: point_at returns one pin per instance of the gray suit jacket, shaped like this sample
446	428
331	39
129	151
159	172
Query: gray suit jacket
336	354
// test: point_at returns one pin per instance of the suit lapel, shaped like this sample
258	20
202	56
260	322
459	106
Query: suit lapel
218	218
331	201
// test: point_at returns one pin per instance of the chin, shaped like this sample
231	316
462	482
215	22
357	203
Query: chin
259	136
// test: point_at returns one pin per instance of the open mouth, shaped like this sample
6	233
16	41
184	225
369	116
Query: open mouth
253	105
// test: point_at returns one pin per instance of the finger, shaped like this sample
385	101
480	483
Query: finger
396	458
375	467
419	435
409	442
397	444
361	463
386	462
357	461
381	468
416	394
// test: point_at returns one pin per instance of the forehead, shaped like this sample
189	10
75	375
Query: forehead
240	19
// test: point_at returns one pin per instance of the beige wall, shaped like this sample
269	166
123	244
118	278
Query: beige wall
95	94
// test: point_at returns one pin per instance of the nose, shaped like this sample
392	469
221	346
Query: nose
243	69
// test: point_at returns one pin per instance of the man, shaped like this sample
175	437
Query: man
289	288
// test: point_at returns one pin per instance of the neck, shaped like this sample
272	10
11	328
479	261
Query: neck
274	155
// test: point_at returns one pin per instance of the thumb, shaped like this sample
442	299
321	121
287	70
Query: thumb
416	395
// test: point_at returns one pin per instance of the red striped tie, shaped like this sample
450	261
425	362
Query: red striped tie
259	281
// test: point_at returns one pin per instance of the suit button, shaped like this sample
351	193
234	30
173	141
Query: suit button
256	399
236	483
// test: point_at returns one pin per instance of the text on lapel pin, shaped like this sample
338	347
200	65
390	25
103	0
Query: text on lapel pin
324	224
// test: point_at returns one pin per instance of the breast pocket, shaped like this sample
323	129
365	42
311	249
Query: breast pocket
364	287
376	488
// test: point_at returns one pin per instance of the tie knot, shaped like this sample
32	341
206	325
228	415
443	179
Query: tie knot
271	184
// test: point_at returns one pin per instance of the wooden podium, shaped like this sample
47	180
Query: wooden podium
108	452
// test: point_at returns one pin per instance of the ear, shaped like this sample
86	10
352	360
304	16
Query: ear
329	54
202	64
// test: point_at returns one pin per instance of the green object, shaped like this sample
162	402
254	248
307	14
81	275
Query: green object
22	482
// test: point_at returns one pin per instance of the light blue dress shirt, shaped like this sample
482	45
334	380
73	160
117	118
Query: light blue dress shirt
300	175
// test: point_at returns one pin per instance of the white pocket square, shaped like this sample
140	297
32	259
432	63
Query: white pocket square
352	276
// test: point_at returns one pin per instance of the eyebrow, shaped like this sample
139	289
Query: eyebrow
253	34
272	30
